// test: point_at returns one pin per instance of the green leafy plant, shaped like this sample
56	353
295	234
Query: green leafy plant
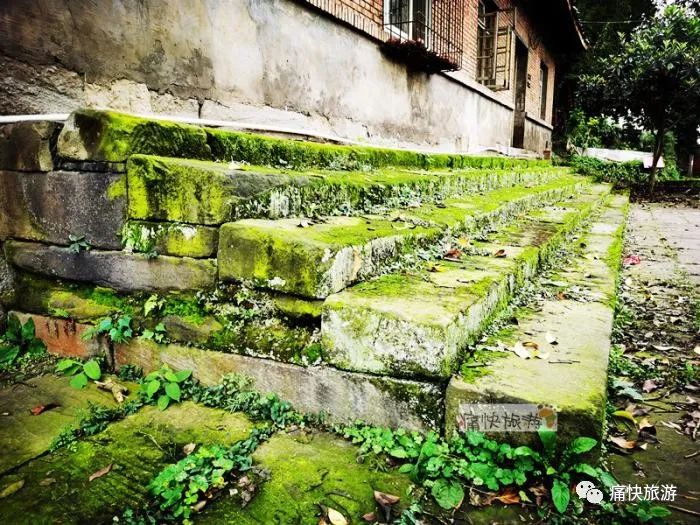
201	475
81	372
19	340
118	329
78	244
157	334
163	386
562	468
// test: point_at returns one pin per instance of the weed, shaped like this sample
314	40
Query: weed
18	341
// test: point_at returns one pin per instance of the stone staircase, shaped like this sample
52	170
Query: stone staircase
349	280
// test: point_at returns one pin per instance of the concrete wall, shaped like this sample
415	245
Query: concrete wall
272	61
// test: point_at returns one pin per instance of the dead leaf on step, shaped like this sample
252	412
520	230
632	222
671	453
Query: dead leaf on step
623	443
508	497
551	338
500	253
697	350
436	268
189	448
47	481
11	488
199	505
649	386
40	409
453	255
370	517
561	296
385	499
101	472
623	414
336	518
522	352
118	391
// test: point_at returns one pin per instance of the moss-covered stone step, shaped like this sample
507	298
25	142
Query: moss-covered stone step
317	259
57	488
413	325
343	395
573	375
114	269
112	137
308	470
199	192
170	238
24	436
51	207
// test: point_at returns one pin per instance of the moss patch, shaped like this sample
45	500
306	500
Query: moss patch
307	470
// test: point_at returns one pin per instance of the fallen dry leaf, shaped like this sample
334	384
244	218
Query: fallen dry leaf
101	472
385	499
500	253
436	268
199	505
649	386
40	409
336	518
453	255
521	351
622	442
623	414
118	391
11	488
531	344
189	448
631	260
508	497
370	517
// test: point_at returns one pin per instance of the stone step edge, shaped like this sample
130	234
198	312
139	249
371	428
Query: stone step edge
158	187
245	247
344	396
497	296
109	136
582	412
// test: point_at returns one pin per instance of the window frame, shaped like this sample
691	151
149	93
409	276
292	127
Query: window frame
395	30
544	89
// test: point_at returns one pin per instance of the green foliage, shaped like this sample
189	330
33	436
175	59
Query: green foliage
622	174
117	328
203	474
78	244
130	373
163	386
79	372
18	341
652	77
157	334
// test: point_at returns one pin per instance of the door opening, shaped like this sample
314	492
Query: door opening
520	88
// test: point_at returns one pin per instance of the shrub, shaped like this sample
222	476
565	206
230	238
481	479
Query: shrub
622	174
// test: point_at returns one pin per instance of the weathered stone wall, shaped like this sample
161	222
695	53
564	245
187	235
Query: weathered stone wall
274	62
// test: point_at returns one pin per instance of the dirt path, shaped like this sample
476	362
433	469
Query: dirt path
655	369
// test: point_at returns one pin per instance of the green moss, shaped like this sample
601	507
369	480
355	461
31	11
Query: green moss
188	308
298	308
264	150
164	238
308	469
117	190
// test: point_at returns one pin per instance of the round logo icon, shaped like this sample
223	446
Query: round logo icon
583	487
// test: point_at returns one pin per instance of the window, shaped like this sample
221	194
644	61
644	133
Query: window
494	39
544	78
408	19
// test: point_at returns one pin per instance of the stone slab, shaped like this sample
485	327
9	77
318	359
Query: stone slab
49	207
138	448
26	146
308	469
64	337
319	258
573	376
416	325
169	238
345	396
118	270
24	436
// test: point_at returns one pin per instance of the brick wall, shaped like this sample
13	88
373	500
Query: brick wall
368	15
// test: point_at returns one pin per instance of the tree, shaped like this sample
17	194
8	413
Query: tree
653	79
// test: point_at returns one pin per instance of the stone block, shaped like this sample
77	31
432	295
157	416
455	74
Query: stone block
27	146
170	238
49	207
345	396
117	270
